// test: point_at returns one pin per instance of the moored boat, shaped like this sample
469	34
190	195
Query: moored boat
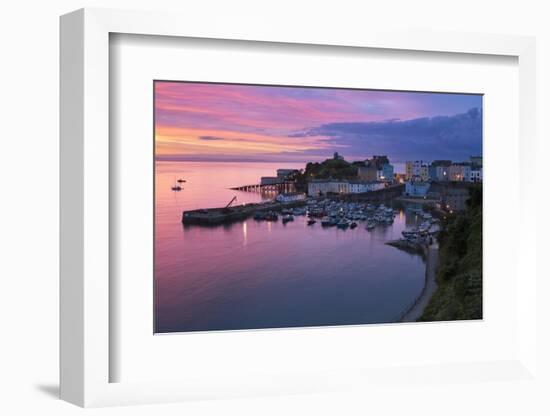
343	224
287	218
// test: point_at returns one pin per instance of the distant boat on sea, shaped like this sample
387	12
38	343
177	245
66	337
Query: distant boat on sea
176	187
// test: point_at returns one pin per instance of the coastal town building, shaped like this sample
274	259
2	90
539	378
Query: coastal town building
290	197
285	173
476	175
417	189
270	180
359	187
386	173
378	168
378	161
445	170
324	187
331	186
337	156
439	170
476	161
367	173
460	172
417	170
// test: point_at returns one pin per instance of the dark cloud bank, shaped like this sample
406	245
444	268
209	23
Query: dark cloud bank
442	137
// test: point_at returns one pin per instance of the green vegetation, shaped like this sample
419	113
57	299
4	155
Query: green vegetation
459	276
330	168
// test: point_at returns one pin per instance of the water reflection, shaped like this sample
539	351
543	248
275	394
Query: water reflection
261	274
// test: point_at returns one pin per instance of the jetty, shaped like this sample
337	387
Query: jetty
215	216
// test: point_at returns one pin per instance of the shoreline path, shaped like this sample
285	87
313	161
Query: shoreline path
430	286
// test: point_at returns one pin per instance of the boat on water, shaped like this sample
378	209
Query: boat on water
343	224
353	225
371	225
181	180
287	218
176	188
327	221
311	222
271	216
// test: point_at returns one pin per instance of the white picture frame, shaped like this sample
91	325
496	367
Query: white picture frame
85	221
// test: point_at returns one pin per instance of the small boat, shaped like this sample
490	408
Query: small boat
271	216
176	188
311	222
343	224
181	180
370	226
287	218
353	225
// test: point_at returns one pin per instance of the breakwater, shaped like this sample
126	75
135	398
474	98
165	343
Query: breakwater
214	216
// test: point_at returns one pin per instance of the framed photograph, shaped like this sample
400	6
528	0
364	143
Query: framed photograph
260	219
270	212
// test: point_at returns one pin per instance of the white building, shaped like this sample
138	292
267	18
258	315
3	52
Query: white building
476	175
289	197
417	189
362	187
323	187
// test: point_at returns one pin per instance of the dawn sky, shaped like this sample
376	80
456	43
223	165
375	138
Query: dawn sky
224	122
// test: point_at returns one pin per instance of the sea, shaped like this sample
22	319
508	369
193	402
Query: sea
257	274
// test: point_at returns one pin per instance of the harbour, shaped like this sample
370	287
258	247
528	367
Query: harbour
275	272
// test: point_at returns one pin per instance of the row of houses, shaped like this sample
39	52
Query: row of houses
320	187
450	195
445	170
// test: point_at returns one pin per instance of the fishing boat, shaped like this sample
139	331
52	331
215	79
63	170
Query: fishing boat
343	224
176	188
287	218
370	226
271	216
326	222
353	225
181	180
311	222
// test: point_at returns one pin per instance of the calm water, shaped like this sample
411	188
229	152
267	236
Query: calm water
261	274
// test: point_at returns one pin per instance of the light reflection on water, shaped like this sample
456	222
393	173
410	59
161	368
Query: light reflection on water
254	274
